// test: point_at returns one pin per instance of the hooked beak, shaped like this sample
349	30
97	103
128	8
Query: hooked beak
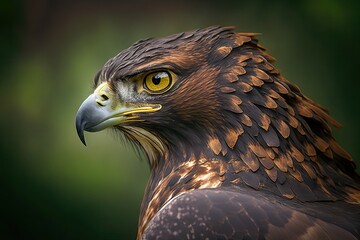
102	109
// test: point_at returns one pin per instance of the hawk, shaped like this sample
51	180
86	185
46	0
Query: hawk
235	150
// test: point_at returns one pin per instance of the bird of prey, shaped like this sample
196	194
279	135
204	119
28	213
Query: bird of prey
235	150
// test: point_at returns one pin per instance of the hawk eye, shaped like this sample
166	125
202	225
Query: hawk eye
157	82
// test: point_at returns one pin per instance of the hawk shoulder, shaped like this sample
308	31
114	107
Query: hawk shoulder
226	213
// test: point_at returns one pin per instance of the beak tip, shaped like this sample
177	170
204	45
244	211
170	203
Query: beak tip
80	130
80	133
83	141
82	138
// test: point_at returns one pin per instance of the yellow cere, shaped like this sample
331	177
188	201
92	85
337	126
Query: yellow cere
157	82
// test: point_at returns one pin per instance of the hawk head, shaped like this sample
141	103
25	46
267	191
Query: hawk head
163	93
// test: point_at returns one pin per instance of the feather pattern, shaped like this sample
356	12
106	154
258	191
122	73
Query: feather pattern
235	142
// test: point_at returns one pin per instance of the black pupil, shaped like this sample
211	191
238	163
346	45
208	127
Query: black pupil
156	79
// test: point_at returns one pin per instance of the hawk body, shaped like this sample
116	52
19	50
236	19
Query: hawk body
235	150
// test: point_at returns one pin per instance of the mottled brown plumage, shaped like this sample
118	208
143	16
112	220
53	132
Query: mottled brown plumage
236	150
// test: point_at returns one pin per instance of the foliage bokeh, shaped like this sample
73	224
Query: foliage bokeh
53	186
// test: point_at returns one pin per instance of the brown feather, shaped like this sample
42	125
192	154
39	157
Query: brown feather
223	51
272	174
231	138
261	74
267	162
227	89
250	160
245	87
246	120
215	145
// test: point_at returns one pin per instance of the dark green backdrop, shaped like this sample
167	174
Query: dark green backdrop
52	186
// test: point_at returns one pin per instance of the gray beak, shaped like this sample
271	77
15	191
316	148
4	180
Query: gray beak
102	109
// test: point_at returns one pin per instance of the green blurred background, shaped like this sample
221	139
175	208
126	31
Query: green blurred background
52	187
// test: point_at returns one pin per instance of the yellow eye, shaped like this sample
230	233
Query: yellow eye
158	82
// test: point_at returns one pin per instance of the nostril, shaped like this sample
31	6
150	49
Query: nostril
100	103
104	97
